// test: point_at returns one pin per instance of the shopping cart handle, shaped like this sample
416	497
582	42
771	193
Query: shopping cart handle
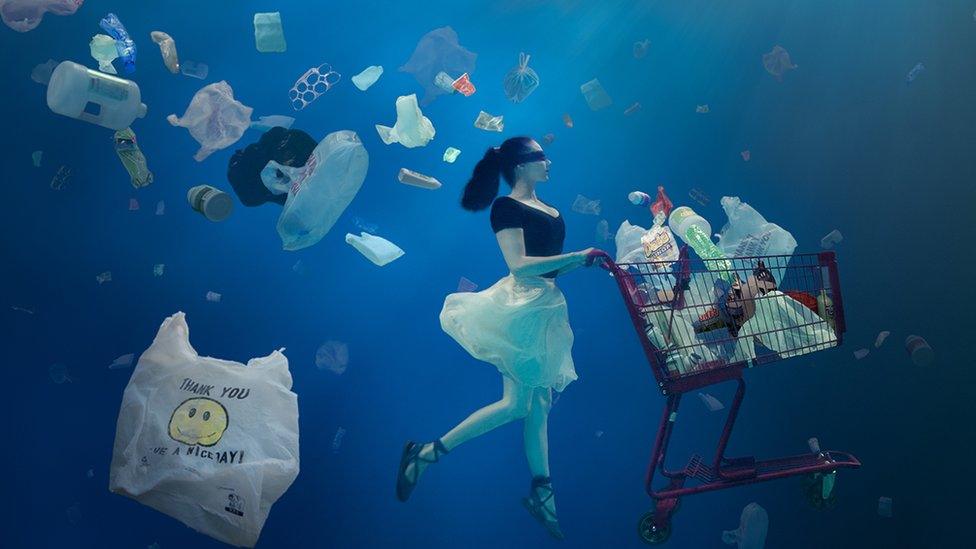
594	255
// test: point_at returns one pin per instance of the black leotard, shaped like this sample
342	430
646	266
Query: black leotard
543	233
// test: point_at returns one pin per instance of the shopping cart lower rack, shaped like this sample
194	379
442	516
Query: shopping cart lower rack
703	322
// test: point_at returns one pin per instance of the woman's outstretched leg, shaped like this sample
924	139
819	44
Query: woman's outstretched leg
515	404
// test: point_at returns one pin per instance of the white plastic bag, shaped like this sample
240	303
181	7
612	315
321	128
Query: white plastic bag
748	234
628	241
210	442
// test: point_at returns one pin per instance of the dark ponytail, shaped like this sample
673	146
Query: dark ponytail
497	162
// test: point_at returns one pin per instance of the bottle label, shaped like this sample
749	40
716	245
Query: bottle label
109	89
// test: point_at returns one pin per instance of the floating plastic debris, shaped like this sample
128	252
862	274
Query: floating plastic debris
919	350
311	85
641	48
104	277
746	155
412	128
445	82
134	162
567	120
702	109
489	122
884	507
158	269
438	51
42	73
59	374
368	77
194	69
699	196
269	36
26	15
596	97
103	50
213	297
548	138
374	248
777	61
265	123
36	158
337	440
598	434
861	353
465	285
167	48
814	444
160	208
521	81
332	356
299	267
914	73
451	154
463	85
831	239
753	526
713	404
133	205
214	118
586	206
90	473
410	177
91	96
603	231
882	336
21	309
125	45
364	225
61	178
213	203
121	362
635	108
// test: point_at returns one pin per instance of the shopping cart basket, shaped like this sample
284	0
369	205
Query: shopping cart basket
702	322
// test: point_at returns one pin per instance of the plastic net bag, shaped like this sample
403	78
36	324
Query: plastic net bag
521	81
210	442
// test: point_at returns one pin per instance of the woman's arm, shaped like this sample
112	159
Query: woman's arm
512	243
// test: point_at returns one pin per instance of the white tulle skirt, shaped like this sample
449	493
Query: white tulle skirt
520	325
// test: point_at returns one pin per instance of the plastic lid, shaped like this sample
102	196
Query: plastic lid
218	206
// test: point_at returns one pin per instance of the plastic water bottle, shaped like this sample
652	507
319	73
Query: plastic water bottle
640	198
78	92
919	350
694	230
213	203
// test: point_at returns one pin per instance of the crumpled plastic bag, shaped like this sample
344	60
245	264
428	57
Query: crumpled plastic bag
26	15
285	146
374	248
748	234
521	81
412	128
786	327
214	118
319	191
751	533
103	50
438	51
628	241
212	443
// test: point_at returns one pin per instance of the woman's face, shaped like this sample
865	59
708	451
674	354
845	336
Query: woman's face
533	171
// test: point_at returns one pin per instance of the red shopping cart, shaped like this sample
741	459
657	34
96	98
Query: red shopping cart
702	322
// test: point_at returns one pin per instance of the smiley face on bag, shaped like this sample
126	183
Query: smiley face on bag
198	421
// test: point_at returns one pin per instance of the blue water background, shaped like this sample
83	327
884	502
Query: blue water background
843	142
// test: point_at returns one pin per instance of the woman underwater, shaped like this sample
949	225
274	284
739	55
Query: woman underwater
520	324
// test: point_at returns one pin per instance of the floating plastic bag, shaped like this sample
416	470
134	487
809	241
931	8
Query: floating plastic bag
103	50
489	122
748	234
412	128
786	327
288	147
368	77
438	51
753	525
521	81
26	15
167	48
319	191
311	85
212	443
596	97
777	61
194	69
374	248
628	241
123	42
269	36
215	119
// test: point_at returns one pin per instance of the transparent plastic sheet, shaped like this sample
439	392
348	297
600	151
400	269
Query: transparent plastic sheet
214	118
26	15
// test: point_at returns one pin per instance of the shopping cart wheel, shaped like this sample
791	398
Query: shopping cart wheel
813	490
653	532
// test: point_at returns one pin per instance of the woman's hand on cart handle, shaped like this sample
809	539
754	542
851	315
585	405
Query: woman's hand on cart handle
593	254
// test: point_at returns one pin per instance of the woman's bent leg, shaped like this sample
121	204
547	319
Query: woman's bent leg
515	404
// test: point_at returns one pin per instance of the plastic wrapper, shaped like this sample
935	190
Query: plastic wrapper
214	118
